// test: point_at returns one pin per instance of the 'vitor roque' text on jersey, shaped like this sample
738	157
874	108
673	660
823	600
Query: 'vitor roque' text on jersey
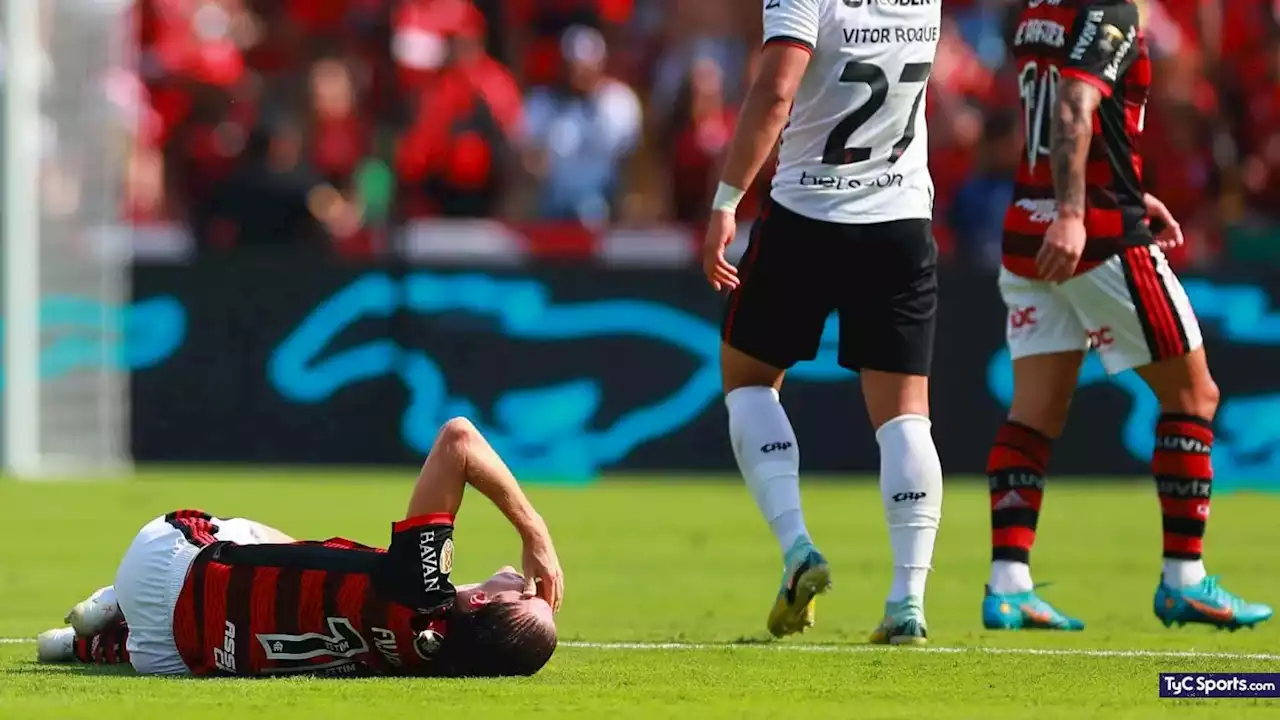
856	148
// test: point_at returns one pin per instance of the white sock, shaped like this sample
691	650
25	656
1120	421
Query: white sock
1008	576
765	446
911	487
1181	573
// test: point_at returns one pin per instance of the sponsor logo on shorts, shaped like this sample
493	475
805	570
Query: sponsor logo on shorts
912	496
1101	339
1021	317
771	447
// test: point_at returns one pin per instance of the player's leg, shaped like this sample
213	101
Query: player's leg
888	314
1047	343
1140	317
99	610
108	646
774	319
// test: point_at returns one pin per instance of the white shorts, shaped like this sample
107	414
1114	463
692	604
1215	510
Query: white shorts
1131	309
148	582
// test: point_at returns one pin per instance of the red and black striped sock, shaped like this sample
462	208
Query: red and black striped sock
105	648
1184	479
1016	471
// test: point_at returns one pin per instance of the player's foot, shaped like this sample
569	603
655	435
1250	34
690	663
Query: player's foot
903	624
807	575
56	646
1023	611
95	614
1209	603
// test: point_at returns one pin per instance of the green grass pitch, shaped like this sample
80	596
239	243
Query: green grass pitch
684	562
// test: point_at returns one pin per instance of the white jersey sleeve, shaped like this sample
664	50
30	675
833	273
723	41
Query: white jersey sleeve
855	150
792	21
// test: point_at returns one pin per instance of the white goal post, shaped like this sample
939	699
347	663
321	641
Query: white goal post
65	394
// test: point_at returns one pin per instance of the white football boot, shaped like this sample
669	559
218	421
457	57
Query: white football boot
95	614
56	646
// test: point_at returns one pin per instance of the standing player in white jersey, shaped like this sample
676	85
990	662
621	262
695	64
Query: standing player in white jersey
847	230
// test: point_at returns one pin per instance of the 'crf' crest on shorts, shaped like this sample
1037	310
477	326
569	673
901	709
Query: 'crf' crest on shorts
1130	309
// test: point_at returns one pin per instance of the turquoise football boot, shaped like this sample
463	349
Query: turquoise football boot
807	575
903	624
1209	603
1023	611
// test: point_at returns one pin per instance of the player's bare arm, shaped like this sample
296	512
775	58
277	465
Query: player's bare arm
1168	231
1070	136
764	115
460	457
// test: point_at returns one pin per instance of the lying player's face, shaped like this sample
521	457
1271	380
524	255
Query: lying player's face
504	586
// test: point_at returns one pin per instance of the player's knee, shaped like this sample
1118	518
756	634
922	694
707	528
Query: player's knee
1199	398
739	370
1045	411
894	395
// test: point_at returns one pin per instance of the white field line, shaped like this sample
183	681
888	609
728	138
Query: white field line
856	649
853	649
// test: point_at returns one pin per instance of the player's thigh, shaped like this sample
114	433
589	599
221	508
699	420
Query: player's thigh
148	581
1135	311
776	315
1047	343
888	301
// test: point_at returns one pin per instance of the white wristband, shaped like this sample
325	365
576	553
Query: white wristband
727	198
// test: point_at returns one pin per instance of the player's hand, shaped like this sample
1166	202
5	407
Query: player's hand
1060	253
1170	234
720	232
542	574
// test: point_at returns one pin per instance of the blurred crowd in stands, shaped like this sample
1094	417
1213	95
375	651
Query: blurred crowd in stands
326	122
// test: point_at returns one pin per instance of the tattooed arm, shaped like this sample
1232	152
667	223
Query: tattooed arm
1069	143
1069	140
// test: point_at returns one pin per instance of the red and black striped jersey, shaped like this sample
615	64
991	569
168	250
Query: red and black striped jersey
329	608
1098	42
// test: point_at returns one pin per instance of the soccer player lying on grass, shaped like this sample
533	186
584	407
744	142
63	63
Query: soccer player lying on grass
200	595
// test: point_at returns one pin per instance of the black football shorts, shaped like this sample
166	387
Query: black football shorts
881	279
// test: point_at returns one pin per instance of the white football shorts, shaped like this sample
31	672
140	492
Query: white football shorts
1131	309
151	576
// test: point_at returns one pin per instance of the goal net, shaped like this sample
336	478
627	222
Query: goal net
65	142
